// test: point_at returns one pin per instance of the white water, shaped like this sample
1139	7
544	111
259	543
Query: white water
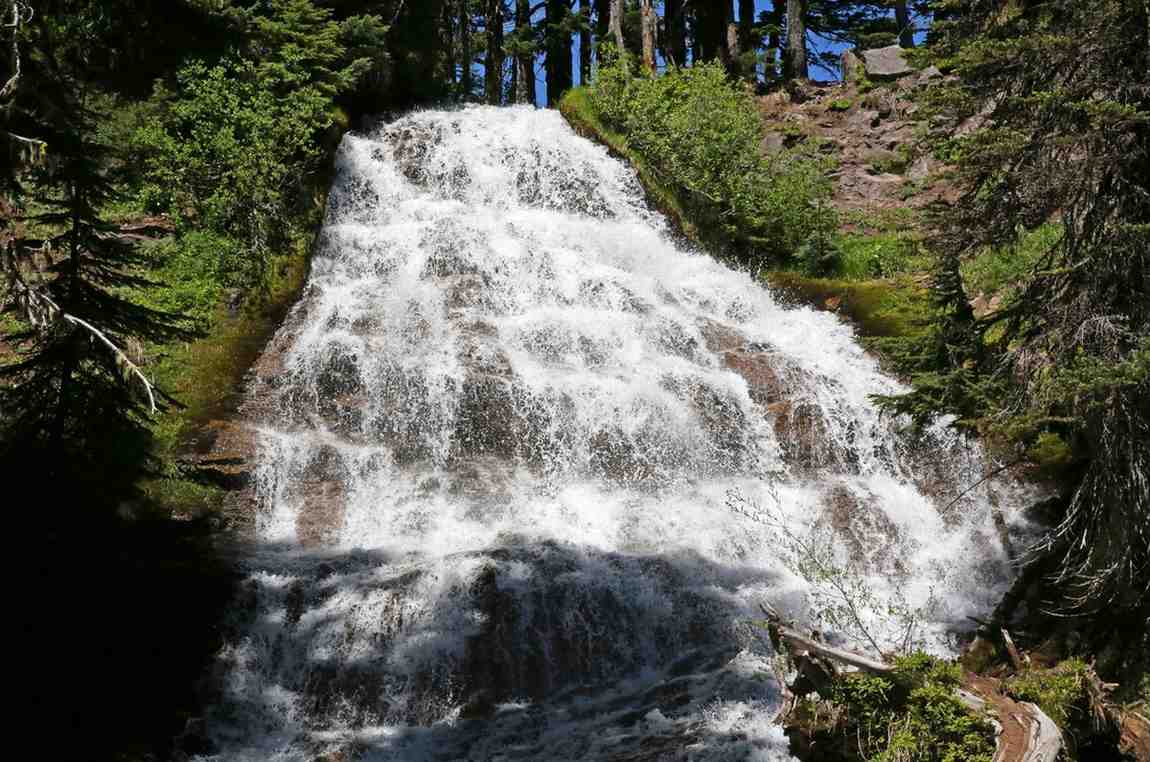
493	473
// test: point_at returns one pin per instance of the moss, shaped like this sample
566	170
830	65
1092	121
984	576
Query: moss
205	376
880	308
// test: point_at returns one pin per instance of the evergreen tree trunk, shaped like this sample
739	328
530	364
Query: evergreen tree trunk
795	57
557	61
493	58
648	22
449	36
465	46
602	20
675	37
905	29
711	30
585	42
775	40
617	25
746	23
524	58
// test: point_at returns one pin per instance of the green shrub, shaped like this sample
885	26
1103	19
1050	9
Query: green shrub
913	714
840	104
701	133
236	142
1060	692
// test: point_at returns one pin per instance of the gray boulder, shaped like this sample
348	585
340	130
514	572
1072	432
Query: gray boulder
885	63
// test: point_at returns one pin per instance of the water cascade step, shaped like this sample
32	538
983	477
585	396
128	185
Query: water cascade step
498	442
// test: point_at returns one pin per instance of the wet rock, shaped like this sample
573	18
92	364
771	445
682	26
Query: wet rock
765	383
720	338
886	63
868	533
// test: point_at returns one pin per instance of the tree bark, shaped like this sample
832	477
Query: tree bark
905	28
795	57
675	36
746	24
711	20
648	22
585	43
465	45
524	59
557	59
493	58
617	25
774	41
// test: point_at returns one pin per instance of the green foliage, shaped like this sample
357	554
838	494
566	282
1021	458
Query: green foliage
1055	218
238	140
700	133
912	715
840	104
874	255
1002	269
1060	692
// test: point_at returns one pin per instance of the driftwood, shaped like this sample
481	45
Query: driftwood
1024	732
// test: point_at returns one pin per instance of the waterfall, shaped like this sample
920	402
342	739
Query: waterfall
497	439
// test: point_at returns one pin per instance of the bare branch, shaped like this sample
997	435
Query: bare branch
42	311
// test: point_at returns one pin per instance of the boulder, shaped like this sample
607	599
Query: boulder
928	74
885	63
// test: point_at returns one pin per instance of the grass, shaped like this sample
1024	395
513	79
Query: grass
1003	269
1060	692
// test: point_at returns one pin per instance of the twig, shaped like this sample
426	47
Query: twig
990	475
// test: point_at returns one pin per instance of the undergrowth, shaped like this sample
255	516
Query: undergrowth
910	715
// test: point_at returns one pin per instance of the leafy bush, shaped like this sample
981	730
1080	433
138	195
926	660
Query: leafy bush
702	133
840	104
238	139
1060	692
912	715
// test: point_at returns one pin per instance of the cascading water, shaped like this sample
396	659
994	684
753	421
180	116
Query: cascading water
494	458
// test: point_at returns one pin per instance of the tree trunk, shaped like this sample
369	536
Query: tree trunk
524	59
648	22
465	46
711	30
493	59
617	25
774	41
675	36
795	57
734	49
585	43
746	24
905	28
557	60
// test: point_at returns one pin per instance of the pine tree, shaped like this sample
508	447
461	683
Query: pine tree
76	400
1062	92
